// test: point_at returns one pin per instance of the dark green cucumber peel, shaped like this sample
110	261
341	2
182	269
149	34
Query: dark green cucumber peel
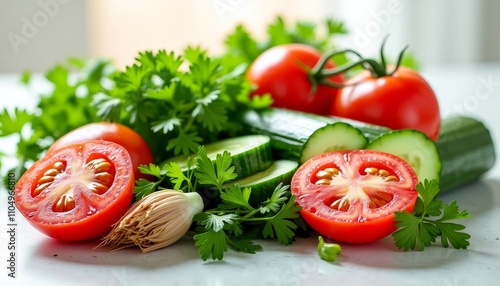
415	148
467	151
249	154
298	136
263	183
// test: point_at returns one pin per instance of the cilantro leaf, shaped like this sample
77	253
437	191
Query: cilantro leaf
278	197
144	187
235	197
13	122
216	174
211	244
151	169
422	228
281	225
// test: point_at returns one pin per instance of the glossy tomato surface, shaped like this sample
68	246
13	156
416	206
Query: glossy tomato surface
136	146
403	100
351	196
279	71
77	192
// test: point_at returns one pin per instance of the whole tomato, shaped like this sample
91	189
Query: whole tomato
284	71
399	100
135	145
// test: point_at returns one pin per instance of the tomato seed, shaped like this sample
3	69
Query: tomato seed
103	176
381	173
98	188
63	204
48	177
326	175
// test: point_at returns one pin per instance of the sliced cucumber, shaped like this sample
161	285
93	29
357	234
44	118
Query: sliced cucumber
467	151
414	147
299	136
250	154
263	183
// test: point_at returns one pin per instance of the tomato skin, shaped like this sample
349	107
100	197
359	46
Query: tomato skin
403	100
93	214
277	72
360	223
138	149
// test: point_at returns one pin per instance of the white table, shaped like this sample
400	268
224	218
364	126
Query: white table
44	261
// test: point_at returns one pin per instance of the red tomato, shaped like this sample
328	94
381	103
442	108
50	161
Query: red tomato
279	72
77	192
351	196
120	134
403	100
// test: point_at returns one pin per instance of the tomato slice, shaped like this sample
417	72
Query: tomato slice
351	196
77	192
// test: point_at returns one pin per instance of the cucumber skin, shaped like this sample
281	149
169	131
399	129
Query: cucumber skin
289	130
466	149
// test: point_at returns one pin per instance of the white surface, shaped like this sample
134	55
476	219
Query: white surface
44	261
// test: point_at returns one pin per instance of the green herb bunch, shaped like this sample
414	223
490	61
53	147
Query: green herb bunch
234	222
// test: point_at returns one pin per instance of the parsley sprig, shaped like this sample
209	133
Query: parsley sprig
430	220
177	102
234	222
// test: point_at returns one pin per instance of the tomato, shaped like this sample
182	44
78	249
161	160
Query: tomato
77	192
398	101
351	196
136	146
279	71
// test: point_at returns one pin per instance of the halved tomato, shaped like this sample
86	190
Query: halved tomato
77	192
351	196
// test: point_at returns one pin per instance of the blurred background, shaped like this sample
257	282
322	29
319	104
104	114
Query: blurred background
35	35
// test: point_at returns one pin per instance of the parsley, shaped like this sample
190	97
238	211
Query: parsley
242	47
234	223
177	102
64	108
430	220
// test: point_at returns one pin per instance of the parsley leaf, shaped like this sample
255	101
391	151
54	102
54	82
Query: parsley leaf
422	228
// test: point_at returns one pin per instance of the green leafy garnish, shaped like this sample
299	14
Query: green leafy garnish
176	102
430	220
222	226
243	47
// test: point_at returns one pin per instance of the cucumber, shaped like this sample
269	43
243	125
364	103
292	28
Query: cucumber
371	131
467	151
415	148
263	183
298	136
249	154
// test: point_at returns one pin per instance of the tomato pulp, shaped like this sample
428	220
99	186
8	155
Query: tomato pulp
77	192
135	145
398	101
281	72
351	196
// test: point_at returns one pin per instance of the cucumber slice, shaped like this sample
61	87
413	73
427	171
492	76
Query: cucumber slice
250	154
415	148
332	137
298	136
263	183
467	151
